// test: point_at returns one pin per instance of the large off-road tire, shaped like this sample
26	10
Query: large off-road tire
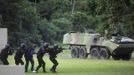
75	53
83	53
116	57
104	53
126	57
94	53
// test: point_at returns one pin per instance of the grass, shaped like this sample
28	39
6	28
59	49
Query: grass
69	66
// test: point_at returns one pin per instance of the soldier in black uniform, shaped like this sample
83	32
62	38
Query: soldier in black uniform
40	55
29	57
19	54
4	54
52	56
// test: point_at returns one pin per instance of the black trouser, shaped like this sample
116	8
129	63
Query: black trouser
4	61
54	61
41	63
27	63
18	61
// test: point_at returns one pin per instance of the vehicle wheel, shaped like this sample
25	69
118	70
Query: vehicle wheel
83	53
126	57
75	53
104	53
116	57
94	53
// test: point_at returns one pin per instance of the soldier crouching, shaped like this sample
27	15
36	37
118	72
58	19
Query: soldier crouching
40	55
19	54
4	54
52	56
29	58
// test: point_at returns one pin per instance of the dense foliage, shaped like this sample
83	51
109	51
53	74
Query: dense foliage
36	21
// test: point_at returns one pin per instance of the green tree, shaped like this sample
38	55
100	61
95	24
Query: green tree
82	22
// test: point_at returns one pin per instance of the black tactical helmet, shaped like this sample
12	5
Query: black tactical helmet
34	45
22	45
45	45
56	46
7	45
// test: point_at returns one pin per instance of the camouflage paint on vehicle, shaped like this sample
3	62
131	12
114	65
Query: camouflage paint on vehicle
88	41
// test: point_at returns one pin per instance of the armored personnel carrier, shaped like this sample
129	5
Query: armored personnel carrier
84	44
